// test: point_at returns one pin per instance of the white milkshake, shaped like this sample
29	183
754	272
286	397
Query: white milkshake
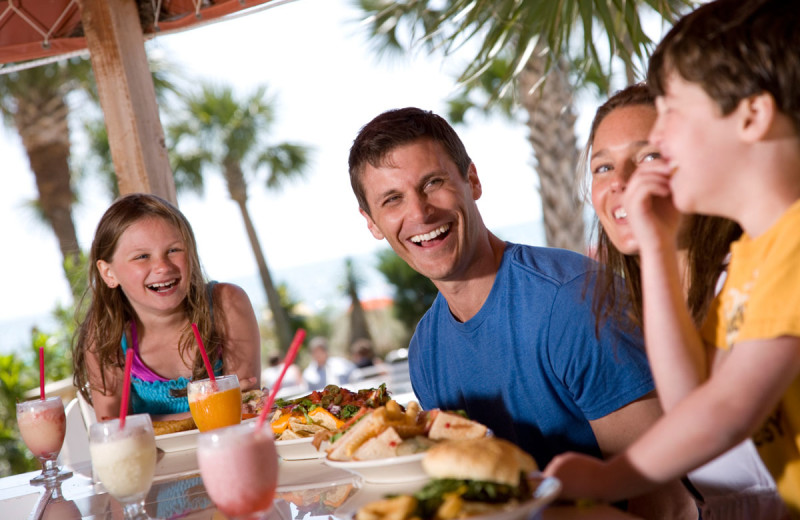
124	460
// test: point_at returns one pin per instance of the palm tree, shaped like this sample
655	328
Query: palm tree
526	54
358	317
34	102
223	132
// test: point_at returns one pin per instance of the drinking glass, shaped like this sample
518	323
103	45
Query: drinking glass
124	460
42	424
215	404
239	468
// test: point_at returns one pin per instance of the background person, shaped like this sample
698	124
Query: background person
325	369
510	338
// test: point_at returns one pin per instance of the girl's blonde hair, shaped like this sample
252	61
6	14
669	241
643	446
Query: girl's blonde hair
109	311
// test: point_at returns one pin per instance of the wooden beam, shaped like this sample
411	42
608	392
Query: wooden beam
127	97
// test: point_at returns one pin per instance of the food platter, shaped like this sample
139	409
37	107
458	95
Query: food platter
546	490
405	468
298	449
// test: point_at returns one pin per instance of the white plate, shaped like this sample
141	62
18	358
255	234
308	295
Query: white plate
547	491
178	441
298	449
406	468
186	440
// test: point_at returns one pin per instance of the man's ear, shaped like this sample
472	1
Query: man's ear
757	115
107	274
373	228
474	182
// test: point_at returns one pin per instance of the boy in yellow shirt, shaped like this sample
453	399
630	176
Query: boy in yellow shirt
728	127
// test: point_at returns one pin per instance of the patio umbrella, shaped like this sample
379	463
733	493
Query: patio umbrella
114	32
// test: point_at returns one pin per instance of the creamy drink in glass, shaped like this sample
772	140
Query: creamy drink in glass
42	425
124	460
239	467
215	404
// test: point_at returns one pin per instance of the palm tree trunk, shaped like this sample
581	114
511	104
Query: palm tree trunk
42	125
358	317
237	188
551	123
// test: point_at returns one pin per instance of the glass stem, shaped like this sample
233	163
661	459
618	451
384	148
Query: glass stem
49	468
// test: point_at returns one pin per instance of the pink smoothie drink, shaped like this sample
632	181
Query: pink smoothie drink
239	466
42	424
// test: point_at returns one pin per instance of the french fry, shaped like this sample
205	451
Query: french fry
450	507
406	431
397	508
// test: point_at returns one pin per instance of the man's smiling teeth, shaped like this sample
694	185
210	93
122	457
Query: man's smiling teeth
162	285
430	236
620	213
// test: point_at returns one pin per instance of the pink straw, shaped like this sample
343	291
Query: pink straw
41	373
204	354
126	388
296	342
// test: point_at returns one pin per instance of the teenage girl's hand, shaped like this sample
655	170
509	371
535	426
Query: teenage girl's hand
653	218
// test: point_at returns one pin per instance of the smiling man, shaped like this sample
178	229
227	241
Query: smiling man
510	338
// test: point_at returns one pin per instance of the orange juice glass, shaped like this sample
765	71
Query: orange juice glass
215	404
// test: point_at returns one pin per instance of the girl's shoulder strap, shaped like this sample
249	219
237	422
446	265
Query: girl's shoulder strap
210	293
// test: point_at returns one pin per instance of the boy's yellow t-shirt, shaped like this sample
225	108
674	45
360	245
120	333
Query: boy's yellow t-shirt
761	300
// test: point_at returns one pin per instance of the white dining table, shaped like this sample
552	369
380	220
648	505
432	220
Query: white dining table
307	490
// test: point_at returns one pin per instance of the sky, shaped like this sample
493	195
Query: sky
327	82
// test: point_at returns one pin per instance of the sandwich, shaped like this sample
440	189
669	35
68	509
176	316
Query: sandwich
468	477
391	431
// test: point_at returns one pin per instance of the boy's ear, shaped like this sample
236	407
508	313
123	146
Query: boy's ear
758	114
371	225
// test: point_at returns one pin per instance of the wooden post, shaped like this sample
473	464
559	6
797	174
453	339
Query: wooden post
116	45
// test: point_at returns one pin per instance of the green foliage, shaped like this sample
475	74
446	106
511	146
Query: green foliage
19	374
414	293
591	34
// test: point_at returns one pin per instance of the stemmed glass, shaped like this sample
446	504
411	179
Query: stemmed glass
43	424
239	467
124	460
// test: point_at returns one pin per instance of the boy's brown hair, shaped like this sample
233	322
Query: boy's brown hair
734	49
396	128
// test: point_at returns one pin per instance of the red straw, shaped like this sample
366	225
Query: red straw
296	342
41	373
126	388
204	354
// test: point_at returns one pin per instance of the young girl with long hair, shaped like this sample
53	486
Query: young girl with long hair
146	288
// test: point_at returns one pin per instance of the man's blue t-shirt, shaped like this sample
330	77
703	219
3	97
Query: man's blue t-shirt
529	364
